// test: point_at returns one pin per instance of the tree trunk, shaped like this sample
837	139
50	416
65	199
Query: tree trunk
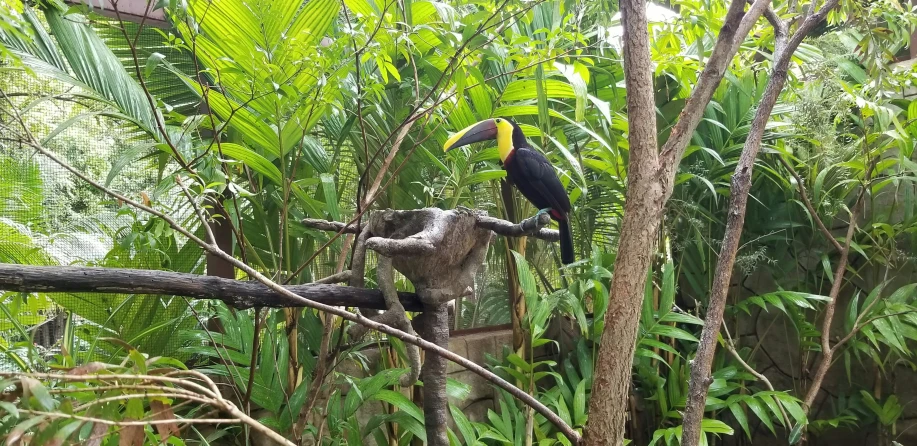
435	402
643	213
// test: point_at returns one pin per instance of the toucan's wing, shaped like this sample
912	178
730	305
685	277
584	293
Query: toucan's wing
535	177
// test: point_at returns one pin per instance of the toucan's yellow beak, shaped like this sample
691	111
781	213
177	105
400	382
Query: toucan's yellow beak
482	131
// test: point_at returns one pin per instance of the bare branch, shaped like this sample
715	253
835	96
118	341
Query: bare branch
530	227
827	351
236	293
341	277
198	212
730	347
208	395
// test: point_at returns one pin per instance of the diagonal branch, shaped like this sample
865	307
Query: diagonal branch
736	27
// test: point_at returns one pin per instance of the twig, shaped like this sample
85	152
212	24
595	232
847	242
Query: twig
808	203
730	347
129	423
208	394
197	210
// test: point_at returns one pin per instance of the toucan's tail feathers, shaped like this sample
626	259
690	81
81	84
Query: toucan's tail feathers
566	241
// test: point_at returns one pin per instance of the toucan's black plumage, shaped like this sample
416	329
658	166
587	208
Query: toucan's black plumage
528	170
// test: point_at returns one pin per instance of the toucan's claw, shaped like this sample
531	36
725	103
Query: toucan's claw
543	211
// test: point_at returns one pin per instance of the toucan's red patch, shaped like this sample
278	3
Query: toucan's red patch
509	157
557	214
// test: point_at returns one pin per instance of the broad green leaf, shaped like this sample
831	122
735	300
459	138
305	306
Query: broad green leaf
253	160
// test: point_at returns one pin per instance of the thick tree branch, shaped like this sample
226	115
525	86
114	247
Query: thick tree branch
643	207
236	293
650	182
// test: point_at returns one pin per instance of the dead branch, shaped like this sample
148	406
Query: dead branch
236	293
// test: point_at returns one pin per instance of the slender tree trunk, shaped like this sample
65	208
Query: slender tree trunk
741	184
701	379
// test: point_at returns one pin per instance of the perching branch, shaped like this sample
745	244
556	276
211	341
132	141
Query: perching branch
700	378
530	227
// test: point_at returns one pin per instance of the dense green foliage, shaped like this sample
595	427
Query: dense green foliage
310	107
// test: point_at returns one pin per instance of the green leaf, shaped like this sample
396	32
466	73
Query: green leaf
521	90
400	401
33	388
95	65
465	427
152	62
716	427
526	280
796	433
580	89
740	416
672	332
253	160
331	196
484	176
579	404
762	414
544	120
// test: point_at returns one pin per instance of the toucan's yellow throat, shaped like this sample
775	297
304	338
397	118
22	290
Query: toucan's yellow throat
498	129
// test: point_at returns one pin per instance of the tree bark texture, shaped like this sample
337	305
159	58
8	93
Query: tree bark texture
236	293
700	377
643	207
433	374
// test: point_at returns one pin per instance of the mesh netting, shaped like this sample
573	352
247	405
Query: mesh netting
49	217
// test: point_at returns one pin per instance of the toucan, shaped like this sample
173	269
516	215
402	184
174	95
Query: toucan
527	169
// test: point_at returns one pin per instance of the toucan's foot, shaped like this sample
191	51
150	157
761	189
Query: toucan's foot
543	211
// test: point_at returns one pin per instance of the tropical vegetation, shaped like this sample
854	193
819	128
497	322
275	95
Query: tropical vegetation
262	114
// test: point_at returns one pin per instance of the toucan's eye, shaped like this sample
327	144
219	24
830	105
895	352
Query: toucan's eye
499	121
